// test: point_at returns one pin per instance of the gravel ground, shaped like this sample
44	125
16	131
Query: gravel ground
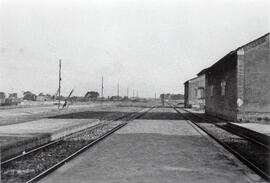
253	152
153	151
33	164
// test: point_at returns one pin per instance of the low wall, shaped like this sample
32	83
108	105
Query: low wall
254	117
24	144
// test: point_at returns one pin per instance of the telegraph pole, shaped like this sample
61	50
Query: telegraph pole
127	92
102	88
133	93
59	87
118	90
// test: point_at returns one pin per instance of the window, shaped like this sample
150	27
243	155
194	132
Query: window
223	88
200	93
211	90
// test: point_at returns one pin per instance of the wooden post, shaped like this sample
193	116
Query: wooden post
59	87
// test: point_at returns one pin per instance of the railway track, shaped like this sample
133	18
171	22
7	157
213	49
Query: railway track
35	164
251	152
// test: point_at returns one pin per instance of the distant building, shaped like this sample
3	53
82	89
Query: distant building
125	98
91	95
195	91
177	97
116	98
2	98
43	97
238	85
165	96
169	96
29	96
77	99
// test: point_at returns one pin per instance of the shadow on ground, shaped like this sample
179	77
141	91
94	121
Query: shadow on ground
112	115
91	115
162	116
203	118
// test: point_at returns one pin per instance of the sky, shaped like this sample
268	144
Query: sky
149	46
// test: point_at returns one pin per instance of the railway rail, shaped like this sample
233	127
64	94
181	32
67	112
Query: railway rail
35	164
248	150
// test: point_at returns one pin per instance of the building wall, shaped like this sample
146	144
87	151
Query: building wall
218	105
192	92
41	98
186	97
247	92
256	81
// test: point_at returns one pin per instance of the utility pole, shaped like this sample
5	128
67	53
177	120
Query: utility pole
127	92
118	90
102	88
59	87
133	92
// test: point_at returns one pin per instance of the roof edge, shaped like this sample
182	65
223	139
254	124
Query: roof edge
233	52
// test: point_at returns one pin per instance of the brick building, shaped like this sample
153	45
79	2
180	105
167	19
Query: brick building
194	91
238	85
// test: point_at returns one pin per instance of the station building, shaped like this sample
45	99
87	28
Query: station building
194	91
238	85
